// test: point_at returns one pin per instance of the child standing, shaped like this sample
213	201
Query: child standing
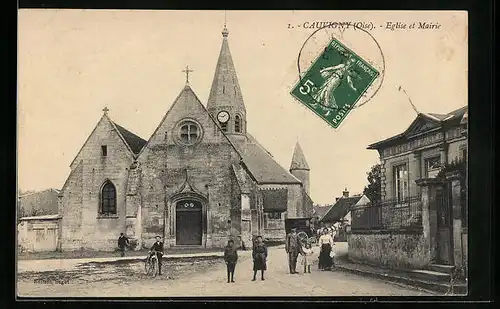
307	253
230	257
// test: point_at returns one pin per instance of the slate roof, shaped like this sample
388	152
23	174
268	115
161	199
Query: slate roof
261	164
320	211
299	161
454	115
275	199
451	118
225	90
340	208
134	142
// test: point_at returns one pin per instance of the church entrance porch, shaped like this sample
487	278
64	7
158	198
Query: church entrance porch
188	222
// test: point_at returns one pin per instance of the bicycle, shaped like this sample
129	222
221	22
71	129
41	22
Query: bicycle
151	264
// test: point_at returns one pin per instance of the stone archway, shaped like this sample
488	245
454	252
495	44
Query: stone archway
187	220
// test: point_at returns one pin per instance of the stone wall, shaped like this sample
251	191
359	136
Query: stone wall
274	234
396	250
164	162
70	209
83	226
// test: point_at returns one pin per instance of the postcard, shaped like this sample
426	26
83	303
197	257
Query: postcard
242	153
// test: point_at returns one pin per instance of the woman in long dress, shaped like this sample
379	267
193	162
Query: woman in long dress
259	255
326	244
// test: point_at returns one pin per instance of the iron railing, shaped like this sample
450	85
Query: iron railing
388	215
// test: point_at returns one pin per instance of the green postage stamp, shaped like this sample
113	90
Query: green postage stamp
334	83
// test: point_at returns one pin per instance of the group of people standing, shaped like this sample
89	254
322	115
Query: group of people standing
293	247
259	255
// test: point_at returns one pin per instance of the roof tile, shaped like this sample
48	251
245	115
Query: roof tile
134	142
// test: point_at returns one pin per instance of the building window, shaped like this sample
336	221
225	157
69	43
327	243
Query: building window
432	167
189	133
104	150
237	124
401	182
166	135
273	220
108	199
245	202
223	126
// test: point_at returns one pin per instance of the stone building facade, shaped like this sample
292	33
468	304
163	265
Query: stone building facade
421	221
198	181
430	142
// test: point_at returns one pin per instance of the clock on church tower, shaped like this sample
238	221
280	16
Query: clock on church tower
223	117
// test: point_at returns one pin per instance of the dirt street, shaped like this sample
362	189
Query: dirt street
200	277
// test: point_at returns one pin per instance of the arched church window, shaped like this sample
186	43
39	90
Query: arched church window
237	124
108	199
189	133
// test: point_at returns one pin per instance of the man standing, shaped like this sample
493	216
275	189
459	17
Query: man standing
157	249
122	243
293	248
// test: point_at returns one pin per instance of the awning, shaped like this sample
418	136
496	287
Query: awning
274	200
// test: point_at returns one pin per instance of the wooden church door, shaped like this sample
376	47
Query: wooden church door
188	223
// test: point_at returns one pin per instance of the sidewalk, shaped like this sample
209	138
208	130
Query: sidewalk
420	279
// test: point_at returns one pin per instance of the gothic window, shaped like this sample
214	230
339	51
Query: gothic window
189	133
108	199
237	124
104	150
401	182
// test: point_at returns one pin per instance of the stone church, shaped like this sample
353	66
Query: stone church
198	181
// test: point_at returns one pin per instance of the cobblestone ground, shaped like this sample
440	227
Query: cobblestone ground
201	277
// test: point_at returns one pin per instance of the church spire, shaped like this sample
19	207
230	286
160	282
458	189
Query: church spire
298	160
225	94
299	167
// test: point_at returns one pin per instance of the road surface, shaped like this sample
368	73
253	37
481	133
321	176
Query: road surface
206	278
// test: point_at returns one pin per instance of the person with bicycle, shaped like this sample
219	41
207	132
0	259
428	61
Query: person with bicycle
157	249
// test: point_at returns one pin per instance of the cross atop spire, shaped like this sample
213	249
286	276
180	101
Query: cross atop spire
187	70
225	33
105	110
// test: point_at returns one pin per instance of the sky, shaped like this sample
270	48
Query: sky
73	63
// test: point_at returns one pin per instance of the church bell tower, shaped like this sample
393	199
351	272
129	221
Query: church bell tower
225	102
299	167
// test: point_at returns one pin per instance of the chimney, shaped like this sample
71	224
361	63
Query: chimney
345	193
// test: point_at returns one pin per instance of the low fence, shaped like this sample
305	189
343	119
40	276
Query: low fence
388	215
